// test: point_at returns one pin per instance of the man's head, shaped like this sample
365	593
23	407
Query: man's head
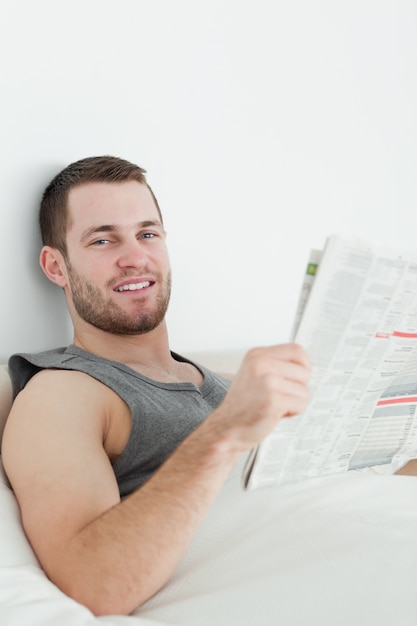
53	214
104	244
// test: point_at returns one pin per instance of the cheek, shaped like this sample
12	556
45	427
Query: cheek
166	256
99	263
161	258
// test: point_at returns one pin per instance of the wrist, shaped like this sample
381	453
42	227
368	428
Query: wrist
218	441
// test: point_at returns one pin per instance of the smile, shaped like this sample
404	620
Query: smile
134	286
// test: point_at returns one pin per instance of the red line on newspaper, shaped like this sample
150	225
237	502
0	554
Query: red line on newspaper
397	400
395	333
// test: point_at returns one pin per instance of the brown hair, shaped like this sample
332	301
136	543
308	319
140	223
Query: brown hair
53	213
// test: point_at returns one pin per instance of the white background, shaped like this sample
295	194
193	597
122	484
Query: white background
264	126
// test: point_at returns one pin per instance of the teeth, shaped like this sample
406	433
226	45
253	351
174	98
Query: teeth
133	286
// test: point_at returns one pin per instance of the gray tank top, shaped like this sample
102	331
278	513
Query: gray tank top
163	414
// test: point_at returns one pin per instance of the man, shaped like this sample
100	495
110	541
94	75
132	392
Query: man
116	447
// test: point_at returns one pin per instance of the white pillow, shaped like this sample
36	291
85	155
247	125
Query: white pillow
5	397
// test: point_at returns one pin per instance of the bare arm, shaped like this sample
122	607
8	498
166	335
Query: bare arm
409	469
112	555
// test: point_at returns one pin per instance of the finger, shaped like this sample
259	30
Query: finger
290	352
293	352
290	371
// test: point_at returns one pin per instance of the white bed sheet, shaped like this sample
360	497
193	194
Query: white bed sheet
340	550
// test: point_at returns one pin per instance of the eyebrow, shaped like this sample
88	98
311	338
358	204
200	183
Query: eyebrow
112	228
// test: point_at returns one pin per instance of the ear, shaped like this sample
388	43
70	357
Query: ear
53	264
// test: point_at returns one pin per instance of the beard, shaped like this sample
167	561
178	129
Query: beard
103	313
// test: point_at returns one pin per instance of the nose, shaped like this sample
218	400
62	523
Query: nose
131	253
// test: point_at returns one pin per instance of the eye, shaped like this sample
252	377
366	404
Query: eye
100	242
147	235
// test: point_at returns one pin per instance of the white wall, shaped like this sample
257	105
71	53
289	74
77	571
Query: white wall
264	126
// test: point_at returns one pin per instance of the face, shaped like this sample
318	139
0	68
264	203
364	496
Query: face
118	271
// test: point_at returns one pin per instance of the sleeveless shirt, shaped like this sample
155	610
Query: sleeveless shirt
163	414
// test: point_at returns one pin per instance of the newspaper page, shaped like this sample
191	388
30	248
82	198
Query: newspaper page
357	318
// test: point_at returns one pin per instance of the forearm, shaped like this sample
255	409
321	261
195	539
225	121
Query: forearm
123	557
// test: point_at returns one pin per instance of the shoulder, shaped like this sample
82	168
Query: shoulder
23	366
70	403
58	400
70	386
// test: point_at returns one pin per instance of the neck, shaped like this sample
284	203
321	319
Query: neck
148	353
132	350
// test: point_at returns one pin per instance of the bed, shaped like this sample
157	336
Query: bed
338	550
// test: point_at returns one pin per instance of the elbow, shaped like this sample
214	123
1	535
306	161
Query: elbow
105	595
103	586
104	602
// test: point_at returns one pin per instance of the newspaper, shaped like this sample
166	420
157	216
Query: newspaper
357	318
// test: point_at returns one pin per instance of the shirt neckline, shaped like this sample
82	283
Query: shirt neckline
205	386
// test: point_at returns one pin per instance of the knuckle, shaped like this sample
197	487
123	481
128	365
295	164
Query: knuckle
253	354
269	382
298	351
254	361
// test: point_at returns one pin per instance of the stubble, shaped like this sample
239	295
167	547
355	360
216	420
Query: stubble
103	313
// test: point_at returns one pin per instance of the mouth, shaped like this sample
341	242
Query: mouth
134	286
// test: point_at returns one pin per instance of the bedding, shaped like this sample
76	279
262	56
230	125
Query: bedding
5	397
339	550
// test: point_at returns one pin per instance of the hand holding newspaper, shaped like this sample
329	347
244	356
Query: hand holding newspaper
357	318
